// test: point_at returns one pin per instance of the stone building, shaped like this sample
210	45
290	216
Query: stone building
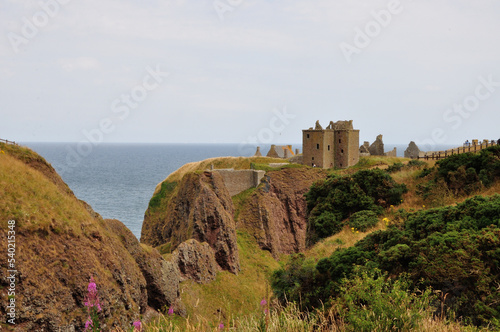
412	151
280	151
335	146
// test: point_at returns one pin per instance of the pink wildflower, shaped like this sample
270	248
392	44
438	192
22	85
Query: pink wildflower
263	302
88	324
92	288
92	300
221	326
137	325
170	311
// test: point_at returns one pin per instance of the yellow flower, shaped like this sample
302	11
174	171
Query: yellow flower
357	232
423	205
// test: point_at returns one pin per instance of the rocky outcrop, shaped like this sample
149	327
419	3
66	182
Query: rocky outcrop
377	147
162	277
195	261
201	209
276	213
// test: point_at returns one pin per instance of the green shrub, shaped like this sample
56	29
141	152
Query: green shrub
395	168
335	199
363	220
416	163
369	301
453	249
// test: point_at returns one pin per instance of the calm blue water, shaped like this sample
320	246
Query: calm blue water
118	180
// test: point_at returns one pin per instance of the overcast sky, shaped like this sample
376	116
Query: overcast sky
229	71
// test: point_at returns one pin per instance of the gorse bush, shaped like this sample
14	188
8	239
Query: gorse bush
363	220
331	201
369	301
414	163
454	249
394	168
466	173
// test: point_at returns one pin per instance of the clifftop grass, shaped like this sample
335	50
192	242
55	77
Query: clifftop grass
60	241
36	203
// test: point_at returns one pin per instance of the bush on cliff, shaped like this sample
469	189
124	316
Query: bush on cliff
463	174
331	201
453	250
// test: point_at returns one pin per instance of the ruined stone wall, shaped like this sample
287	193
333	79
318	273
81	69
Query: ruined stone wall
392	153
315	147
237	181
341	148
346	148
353	149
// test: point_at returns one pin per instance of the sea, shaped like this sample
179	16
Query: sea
118	179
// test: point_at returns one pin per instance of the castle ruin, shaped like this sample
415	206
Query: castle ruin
335	146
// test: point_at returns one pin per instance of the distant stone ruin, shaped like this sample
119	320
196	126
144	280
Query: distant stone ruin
364	149
376	149
280	151
412	151
335	146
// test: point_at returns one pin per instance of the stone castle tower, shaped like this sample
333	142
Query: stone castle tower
335	146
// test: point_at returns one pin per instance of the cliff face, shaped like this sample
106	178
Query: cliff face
276	213
200	209
162	277
60	242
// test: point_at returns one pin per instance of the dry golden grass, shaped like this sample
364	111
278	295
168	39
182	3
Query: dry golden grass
291	319
35	202
344	239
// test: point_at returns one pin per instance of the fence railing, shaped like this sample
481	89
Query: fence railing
8	142
464	149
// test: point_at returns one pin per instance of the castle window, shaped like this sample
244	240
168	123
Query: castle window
341	150
312	158
328	147
340	141
317	146
307	135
